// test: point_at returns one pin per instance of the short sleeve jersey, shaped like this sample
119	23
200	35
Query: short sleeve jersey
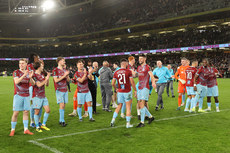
22	88
143	76
38	91
123	79
82	87
190	75
61	85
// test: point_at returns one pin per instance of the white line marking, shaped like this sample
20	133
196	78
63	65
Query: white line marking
45	146
35	142
104	129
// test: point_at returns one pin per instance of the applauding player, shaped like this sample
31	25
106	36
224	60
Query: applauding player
190	74
21	102
83	94
61	76
124	78
39	98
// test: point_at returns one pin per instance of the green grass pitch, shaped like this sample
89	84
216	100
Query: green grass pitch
172	132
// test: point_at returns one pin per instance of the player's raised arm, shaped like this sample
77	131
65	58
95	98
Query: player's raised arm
17	80
40	84
56	79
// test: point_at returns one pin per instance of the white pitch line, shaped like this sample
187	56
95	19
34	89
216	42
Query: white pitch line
35	142
45	146
104	129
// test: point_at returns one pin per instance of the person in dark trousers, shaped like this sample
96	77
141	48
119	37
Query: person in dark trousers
170	82
93	84
106	88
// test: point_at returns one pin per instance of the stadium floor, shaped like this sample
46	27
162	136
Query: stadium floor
173	131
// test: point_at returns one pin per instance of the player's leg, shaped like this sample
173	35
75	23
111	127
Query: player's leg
208	103
31	108
46	114
193	104
128	114
86	114
216	94
74	113
26	108
36	119
81	101
14	122
203	94
116	112
88	98
123	110
17	106
188	102
180	93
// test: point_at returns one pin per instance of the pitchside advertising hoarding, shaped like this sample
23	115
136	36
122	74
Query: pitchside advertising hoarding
134	52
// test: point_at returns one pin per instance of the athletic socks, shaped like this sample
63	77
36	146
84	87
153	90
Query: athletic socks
36	119
200	103
61	112
45	118
31	114
188	101
13	125
142	115
25	123
114	117
193	102
183	99
79	110
40	113
217	105
90	110
147	112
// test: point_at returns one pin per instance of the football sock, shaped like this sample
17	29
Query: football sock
25	123
45	118
128	119
36	119
40	113
200	103
217	104
61	111
138	112
114	117
147	112
188	101
209	104
183	99
31	114
90	112
13	125
143	115
79	110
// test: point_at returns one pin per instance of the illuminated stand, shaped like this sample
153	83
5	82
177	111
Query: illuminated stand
221	46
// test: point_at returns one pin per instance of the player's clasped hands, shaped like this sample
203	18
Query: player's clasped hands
31	73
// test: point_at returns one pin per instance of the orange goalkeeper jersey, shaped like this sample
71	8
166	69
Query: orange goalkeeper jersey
181	72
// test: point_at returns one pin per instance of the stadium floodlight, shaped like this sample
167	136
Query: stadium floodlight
105	40
118	38
48	5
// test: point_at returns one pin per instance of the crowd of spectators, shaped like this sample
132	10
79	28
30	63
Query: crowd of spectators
122	13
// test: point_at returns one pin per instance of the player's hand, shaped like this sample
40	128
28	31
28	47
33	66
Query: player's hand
154	85
31	73
173	76
26	73
90	70
66	73
74	98
195	88
135	94
48	75
85	70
